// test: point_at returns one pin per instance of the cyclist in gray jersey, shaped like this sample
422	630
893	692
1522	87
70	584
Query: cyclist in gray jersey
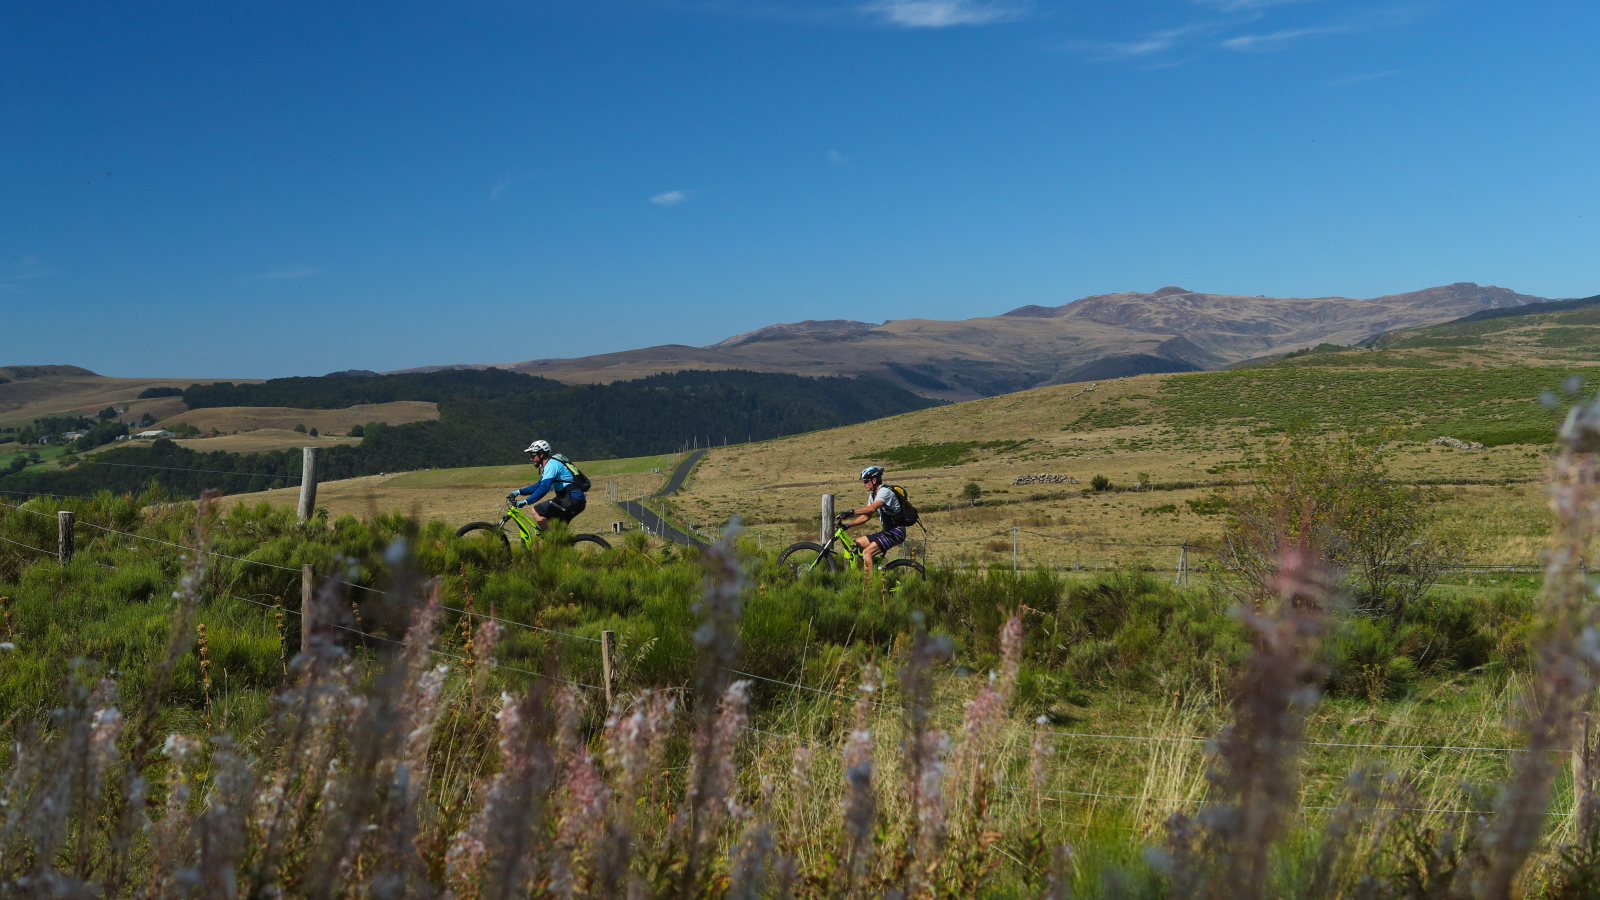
886	504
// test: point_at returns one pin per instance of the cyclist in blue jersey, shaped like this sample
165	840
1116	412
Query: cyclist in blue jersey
554	475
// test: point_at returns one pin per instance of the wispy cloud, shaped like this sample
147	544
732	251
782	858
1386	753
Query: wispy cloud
1361	79
289	273
1158	48
1373	20
1149	47
1277	40
945	13
670	198
838	160
22	269
1240	6
1157	42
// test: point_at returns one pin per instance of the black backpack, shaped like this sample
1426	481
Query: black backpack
580	481
908	511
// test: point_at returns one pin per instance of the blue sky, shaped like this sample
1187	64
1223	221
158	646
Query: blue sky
199	189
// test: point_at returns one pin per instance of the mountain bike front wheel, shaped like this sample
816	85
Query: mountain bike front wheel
806	556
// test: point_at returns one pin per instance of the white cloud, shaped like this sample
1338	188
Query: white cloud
670	198
838	160
291	273
944	13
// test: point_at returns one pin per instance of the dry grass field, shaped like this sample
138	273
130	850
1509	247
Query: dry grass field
780	482
228	419
264	439
776	486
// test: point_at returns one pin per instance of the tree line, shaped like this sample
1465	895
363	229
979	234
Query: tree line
482	423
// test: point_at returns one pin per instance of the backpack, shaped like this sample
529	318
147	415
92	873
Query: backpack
580	481
908	512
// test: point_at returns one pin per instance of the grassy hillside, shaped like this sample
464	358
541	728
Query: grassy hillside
1185	435
1180	438
1566	331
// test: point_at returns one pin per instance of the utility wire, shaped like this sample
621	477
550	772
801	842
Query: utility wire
93	462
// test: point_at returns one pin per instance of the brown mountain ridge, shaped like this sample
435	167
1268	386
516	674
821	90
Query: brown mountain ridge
1104	336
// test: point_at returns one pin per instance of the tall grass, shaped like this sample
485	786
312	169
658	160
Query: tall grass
877	767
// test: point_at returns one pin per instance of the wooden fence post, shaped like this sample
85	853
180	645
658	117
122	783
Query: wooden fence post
308	483
827	519
608	647
308	584
64	536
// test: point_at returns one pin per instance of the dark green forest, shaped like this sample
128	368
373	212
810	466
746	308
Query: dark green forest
486	418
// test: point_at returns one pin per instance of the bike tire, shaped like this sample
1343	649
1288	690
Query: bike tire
806	556
591	539
900	567
491	528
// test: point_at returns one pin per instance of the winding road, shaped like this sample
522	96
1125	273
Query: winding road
654	523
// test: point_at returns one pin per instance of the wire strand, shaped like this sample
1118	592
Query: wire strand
95	462
29	546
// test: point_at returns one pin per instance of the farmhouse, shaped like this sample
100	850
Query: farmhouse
152	435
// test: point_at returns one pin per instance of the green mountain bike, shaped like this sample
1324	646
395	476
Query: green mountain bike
517	522
840	552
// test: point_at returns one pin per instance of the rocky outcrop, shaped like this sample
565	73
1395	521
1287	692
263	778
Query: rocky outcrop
1042	478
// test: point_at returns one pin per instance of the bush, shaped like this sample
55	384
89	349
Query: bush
300	428
313	432
1334	497
357	431
1100	483
971	491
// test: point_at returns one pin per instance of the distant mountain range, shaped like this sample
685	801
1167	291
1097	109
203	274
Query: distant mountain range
1104	336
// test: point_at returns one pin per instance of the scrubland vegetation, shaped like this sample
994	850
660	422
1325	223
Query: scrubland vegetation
1326	715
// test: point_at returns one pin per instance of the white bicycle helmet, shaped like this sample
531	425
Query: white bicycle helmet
538	447
871	471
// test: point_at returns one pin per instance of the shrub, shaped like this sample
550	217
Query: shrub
971	491
300	428
1100	483
1335	497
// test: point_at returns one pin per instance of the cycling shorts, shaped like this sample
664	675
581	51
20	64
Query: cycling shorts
888	538
564	508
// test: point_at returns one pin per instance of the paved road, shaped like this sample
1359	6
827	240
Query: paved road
654	523
680	474
657	526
